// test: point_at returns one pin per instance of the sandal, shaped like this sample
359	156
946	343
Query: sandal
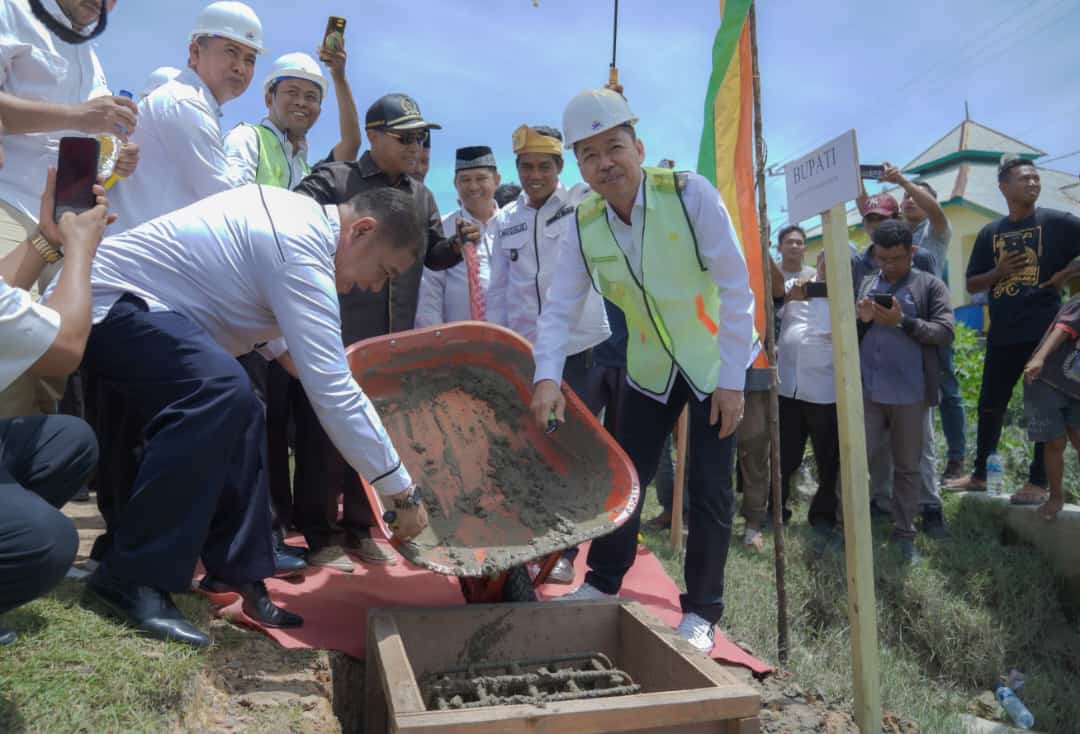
1030	494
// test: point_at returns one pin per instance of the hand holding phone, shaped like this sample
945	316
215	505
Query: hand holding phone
885	300
76	174
815	289
334	37
871	172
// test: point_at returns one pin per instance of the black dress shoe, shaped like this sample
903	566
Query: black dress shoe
213	585
281	547
147	609
7	636
258	606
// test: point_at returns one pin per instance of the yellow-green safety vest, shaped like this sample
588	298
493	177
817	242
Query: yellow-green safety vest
671	310
274	167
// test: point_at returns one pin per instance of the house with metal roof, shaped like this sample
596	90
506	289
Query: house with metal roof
962	168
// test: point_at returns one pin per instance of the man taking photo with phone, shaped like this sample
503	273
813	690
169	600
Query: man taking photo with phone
44	459
904	315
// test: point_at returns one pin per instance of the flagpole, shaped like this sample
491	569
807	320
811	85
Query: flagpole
782	636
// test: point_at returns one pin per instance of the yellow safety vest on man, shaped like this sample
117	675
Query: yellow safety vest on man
274	168
671	310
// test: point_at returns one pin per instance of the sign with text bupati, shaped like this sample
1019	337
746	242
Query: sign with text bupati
822	178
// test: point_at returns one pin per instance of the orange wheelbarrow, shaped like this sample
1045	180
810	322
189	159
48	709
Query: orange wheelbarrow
502	495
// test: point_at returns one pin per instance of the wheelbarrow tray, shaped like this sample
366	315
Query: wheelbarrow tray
500	491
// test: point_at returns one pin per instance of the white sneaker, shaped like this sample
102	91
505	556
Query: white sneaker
585	592
697	631
332	556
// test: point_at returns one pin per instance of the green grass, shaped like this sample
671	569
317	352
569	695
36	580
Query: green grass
947	630
74	671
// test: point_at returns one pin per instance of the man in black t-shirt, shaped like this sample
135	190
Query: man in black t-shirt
1023	260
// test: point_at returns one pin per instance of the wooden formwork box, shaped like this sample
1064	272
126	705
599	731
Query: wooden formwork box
683	692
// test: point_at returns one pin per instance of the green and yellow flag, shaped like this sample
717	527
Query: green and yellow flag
726	155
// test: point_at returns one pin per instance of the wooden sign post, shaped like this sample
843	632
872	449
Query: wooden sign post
823	181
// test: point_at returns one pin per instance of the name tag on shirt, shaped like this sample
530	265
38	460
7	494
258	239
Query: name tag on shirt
516	229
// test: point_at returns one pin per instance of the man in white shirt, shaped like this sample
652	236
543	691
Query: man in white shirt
54	87
182	150
275	153
524	266
44	459
524	256
459	293
679	276
807	390
187	293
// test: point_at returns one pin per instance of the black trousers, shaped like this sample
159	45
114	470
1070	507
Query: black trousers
44	460
201	487
644	425
1002	368
800	420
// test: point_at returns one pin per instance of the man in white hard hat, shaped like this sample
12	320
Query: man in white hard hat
157	77
182	161
175	300
275	153
183	152
661	246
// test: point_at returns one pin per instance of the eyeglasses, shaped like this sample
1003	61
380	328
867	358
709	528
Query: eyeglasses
417	138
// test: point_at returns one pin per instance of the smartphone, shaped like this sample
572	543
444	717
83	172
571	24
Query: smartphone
334	38
885	300
76	174
816	290
1014	243
871	172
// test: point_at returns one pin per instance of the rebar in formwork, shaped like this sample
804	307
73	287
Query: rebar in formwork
529	681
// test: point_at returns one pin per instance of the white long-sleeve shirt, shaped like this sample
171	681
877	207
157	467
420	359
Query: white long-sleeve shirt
242	154
36	65
444	294
247	280
524	265
181	153
719	248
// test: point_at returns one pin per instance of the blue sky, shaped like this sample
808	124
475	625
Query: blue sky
898	74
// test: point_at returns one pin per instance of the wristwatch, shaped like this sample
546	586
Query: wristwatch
408	499
49	254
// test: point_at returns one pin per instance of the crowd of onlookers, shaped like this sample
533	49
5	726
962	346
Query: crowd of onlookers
149	331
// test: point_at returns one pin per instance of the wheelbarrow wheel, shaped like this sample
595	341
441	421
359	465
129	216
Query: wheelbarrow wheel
518	585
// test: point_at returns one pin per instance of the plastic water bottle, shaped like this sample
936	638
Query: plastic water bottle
994	478
1014	706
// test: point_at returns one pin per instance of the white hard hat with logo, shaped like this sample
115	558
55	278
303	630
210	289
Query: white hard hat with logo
296	66
593	111
232	20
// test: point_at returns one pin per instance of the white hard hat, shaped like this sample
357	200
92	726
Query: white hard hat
157	77
232	20
592	112
296	65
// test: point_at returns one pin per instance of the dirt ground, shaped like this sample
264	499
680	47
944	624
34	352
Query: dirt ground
253	685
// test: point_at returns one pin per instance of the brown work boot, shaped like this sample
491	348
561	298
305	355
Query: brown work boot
954	469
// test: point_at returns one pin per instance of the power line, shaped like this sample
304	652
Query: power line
1059	157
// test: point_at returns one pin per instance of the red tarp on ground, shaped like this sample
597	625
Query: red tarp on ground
335	605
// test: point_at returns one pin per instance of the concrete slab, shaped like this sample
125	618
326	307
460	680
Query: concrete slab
1058	540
